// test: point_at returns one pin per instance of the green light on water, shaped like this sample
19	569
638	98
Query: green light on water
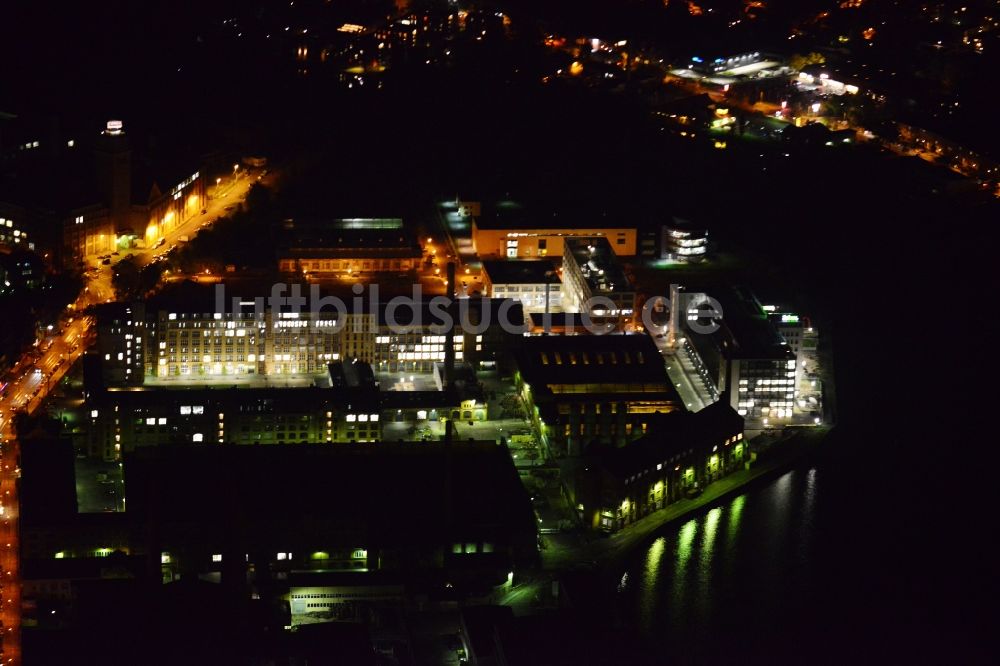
653	557
650	592
708	536
735	512
684	541
685	538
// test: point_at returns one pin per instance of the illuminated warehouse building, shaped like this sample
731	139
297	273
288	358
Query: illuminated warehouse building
683	451
593	389
348	247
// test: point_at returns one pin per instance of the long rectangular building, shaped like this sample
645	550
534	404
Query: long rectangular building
508	233
185	341
594	282
118	422
682	452
587	389
348	247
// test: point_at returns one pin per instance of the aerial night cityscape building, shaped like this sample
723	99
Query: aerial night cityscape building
497	332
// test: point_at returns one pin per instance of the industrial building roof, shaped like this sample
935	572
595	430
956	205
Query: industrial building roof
521	272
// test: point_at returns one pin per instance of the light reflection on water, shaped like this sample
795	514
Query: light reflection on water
743	557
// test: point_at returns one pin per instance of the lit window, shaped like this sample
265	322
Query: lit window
217	557
197	437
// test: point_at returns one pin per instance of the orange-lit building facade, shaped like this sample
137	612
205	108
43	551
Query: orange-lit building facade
119	220
518	242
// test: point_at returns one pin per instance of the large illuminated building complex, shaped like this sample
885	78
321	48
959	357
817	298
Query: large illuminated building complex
183	342
745	355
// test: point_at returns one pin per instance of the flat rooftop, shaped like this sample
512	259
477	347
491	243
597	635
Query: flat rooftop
673	433
363	495
508	215
599	264
747	332
349	242
594	360
521	272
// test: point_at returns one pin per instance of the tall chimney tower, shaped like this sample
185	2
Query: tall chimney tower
676	312
114	170
449	347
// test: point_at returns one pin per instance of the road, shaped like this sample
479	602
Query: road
222	202
30	382
35	375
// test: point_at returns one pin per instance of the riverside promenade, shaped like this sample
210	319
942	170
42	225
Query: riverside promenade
582	551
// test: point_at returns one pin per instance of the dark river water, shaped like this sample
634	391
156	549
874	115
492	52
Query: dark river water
822	564
740	567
